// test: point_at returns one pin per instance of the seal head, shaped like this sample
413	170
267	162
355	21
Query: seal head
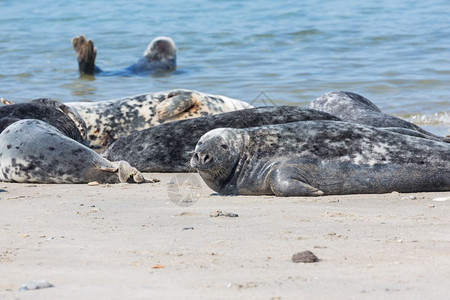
216	156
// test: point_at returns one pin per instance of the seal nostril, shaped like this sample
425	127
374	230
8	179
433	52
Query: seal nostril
206	159
196	157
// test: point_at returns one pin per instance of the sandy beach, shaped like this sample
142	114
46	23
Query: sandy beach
164	240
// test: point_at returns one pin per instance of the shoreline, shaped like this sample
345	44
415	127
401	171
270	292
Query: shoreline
133	241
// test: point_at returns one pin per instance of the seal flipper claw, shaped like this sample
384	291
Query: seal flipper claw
176	103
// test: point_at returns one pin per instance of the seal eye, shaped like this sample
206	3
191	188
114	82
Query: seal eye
199	143
225	147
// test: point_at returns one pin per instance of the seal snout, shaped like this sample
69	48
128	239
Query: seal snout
201	160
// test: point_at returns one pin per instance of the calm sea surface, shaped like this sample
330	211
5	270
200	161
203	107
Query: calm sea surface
396	53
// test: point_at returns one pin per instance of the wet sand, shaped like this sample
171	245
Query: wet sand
142	241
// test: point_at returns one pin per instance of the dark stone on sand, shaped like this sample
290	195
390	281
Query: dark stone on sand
304	257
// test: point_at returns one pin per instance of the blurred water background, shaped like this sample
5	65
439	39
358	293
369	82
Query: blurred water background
394	52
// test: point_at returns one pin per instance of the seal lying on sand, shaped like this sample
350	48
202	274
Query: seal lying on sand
109	120
168	147
34	151
55	113
355	108
160	55
313	158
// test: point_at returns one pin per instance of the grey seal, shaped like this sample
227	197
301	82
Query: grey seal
168	147
55	113
357	109
35	151
109	120
160	55
313	158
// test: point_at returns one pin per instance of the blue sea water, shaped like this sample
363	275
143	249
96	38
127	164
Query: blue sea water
396	53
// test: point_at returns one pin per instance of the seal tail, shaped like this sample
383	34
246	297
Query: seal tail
86	54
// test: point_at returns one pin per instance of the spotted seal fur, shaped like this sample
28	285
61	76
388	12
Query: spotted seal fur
35	151
160	55
357	109
109	120
313	158
168	147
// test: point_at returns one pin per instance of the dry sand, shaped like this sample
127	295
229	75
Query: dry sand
134	241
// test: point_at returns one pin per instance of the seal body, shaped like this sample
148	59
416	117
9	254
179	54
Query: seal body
109	120
34	151
168	147
64	118
160	55
314	158
355	108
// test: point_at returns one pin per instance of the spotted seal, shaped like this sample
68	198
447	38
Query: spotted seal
109	120
168	147
357	109
313	158
160	55
53	112
34	151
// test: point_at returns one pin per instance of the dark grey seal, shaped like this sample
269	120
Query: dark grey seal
160	55
358	109
168	147
35	151
63	117
313	158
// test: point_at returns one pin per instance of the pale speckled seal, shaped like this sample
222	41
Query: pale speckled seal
34	151
109	120
160	55
169	147
358	109
55	113
314	158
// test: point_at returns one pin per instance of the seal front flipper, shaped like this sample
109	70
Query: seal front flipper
284	183
6	102
124	170
177	102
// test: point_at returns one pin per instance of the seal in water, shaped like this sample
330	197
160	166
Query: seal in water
160	55
109	120
313	158
34	151
355	108
55	113
169	147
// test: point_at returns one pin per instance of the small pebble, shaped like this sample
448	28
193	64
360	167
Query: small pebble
35	285
187	228
220	213
304	257
158	267
441	199
92	183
